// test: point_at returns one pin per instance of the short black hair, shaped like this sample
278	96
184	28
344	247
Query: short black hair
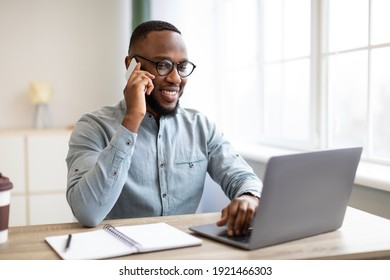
143	29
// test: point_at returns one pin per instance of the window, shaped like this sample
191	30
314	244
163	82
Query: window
357	59
298	74
288	114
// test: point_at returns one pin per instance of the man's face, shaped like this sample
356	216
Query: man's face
159	45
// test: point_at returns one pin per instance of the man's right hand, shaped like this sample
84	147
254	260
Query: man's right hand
139	84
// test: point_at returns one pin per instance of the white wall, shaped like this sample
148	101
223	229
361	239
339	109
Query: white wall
195	20
77	45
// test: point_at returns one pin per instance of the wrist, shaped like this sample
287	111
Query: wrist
251	195
132	122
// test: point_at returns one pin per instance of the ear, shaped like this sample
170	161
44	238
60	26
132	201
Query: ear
127	61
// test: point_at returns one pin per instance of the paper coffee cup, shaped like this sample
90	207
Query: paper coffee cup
5	199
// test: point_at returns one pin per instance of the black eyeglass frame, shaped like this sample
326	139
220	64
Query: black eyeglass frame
173	65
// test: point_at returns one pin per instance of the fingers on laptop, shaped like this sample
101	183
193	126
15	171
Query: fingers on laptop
237	216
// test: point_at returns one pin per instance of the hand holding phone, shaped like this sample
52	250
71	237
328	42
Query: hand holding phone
137	86
131	67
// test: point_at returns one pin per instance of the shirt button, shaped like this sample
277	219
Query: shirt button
164	195
162	165
128	142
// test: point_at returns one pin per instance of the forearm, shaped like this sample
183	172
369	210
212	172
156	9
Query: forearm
233	174
228	169
96	179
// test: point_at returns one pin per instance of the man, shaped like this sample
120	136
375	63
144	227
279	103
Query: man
147	156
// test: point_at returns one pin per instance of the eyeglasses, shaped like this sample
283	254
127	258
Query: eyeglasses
165	66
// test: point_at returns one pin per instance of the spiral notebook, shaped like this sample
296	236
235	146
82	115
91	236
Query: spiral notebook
112	241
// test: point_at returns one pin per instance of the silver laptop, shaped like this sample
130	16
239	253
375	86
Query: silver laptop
304	194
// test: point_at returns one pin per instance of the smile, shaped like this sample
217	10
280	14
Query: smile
169	92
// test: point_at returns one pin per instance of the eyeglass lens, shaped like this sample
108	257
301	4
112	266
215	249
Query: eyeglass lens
164	67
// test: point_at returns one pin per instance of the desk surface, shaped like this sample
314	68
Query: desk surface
362	236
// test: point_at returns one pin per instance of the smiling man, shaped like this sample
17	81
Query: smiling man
147	156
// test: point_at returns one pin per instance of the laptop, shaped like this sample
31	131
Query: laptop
304	194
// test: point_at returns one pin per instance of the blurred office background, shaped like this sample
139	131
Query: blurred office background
277	76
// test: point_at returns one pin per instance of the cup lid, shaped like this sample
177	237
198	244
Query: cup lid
5	183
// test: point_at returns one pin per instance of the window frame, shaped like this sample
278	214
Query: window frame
319	92
316	109
324	92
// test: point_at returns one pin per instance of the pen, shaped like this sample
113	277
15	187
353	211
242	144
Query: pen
68	242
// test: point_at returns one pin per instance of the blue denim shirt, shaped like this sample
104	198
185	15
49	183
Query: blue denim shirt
160	170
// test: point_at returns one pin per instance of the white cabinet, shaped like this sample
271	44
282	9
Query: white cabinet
34	161
46	161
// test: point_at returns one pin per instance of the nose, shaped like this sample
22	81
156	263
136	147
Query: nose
173	76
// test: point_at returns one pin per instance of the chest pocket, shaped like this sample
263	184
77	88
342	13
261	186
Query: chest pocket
191	164
191	172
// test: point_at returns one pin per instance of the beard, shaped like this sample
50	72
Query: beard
156	107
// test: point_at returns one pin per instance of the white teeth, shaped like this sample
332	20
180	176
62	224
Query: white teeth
169	92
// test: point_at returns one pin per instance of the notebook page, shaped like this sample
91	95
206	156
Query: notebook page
96	244
100	244
159	236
